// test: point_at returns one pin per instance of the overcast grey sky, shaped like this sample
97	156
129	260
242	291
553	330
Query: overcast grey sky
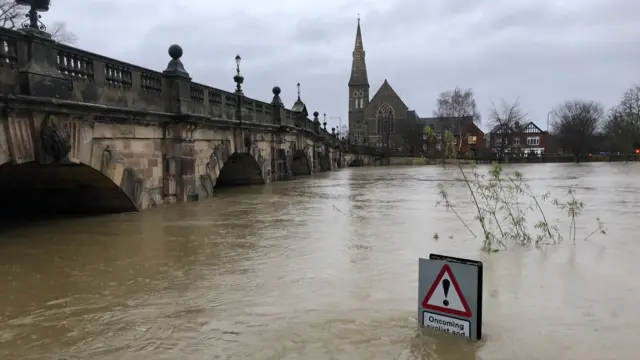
542	51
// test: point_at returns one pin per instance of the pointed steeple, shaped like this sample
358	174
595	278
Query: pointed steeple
359	67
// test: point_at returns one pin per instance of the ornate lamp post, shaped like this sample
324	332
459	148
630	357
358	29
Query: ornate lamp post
239	79
35	6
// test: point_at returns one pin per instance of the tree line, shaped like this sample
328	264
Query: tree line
13	15
579	127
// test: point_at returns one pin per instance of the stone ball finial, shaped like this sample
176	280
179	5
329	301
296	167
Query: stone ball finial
276	90
315	114
175	51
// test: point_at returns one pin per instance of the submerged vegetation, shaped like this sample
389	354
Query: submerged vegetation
504	205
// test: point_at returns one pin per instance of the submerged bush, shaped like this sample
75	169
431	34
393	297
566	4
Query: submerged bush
503	203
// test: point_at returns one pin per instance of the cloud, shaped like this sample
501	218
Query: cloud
543	52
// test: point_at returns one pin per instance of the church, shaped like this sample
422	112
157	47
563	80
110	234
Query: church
385	121
382	120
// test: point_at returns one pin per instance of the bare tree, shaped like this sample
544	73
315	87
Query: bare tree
457	103
60	33
629	105
504	122
622	129
620	134
12	15
576	124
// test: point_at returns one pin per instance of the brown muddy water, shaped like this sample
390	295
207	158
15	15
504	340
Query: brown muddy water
319	268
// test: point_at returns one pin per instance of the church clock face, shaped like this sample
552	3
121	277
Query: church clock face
359	122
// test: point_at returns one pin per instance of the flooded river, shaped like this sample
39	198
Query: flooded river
319	268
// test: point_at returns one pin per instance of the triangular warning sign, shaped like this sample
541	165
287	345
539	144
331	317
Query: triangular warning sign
445	295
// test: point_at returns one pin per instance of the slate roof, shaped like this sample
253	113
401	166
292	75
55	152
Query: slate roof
517	127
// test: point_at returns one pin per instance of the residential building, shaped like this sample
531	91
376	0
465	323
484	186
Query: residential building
518	139
467	137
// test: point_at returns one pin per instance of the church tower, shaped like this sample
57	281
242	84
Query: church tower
358	90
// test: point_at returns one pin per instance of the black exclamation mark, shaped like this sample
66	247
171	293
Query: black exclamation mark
445	285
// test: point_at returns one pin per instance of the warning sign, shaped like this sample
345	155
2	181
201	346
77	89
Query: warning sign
445	295
450	295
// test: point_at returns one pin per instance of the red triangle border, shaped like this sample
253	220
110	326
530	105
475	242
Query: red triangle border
425	303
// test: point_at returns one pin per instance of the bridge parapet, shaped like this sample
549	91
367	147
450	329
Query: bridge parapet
32	65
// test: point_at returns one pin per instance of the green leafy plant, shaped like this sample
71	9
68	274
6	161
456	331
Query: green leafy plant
504	203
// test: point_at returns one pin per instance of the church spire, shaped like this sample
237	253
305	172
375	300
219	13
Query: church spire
358	67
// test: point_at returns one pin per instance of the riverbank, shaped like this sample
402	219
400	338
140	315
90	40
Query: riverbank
405	161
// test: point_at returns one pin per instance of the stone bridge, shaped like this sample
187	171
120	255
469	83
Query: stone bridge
83	133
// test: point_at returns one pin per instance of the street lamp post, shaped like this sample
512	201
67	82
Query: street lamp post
33	23
239	79
548	117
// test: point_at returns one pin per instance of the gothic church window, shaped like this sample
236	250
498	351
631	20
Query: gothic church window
385	118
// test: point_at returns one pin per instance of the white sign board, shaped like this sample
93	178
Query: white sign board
446	324
450	295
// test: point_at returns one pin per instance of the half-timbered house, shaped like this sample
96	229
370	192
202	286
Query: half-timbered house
518	138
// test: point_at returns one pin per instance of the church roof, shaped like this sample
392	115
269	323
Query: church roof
387	92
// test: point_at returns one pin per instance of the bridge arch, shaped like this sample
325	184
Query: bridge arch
300	164
69	188
240	169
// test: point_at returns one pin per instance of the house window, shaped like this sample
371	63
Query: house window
454	141
516	141
473	140
533	140
439	135
498	141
